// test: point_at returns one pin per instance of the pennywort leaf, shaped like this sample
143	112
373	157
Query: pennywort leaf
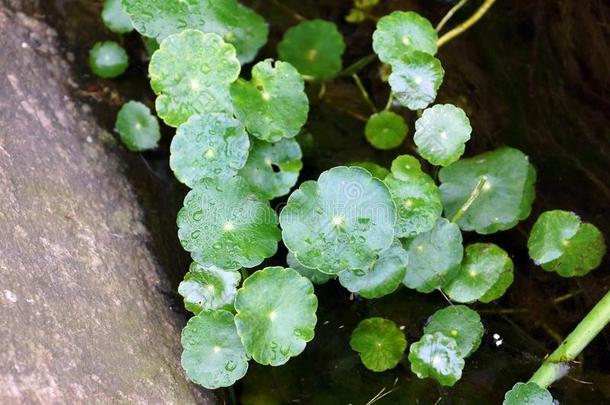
386	130
316	276
208	288
376	170
437	356
460	323
137	127
379	342
528	394
115	18
415	79
108	59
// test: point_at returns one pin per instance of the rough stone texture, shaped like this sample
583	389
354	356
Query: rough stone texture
81	316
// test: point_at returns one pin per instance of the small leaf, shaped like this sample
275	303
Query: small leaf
485	274
376	170
405	167
434	257
208	288
400	33
342	221
208	146
436	356
528	394
382	278
440	134
386	130
115	18
506	196
415	79
191	73
213	355
560	242
108	59
315	276
272	105
138	127
460	323
379	342
276	314
223	223
313	47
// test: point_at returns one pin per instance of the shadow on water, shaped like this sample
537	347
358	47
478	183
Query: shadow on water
532	75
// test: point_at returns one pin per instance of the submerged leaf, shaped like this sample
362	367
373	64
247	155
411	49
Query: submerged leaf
379	342
528	394
436	356
460	323
276	314
316	277
115	18
208	288
108	59
138	127
415	79
386	130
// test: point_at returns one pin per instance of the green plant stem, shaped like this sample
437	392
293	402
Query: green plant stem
358	65
466	24
471	198
556	365
388	105
450	14
365	94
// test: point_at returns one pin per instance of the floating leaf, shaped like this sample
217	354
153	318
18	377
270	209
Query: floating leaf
440	134
460	323
506	196
342	221
382	278
276	314
400	33
225	224
313	47
316	277
208	288
415	79
208	146
437	356
137	126
379	342
560	242
115	18
405	167
108	59
272	105
386	130
528	394
485	274
213	355
376	170
434	257
191	73
237	24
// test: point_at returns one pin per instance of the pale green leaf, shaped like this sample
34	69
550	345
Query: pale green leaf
460	323
208	288
138	127
436	356
415	79
316	277
115	18
528	394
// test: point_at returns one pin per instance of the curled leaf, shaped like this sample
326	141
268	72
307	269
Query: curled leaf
316	277
208	288
460	323
437	356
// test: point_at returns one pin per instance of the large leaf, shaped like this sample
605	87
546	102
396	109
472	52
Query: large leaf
460	323
379	342
138	127
276	314
208	146
237	24
386	130
224	224
528	394
342	221
213	355
505	198
436	356
415	79
208	288
191	73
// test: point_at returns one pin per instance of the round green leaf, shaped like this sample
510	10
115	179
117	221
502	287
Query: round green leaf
505	198
379	342
436	356
108	59
528	394
460	323
440	134
208	146
316	277
225	224
382	278
276	314
138	127
237	24
376	170
386	130
342	221
213	355
434	257
560	242
400	33
272	105
208	288
485	274
115	18
313	47
405	167
415	79
191	73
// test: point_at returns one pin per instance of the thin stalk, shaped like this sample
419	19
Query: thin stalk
365	94
471	198
450	14
388	105
558	363
358	65
466	24
287	10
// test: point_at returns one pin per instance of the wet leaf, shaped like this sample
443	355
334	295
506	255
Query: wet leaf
115	18
405	167
460	323
415	79
376	170
379	342
436	356
138	127
528	394
276	314
108	59
208	288
386	130
316	277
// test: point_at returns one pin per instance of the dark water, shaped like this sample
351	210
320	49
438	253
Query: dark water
533	75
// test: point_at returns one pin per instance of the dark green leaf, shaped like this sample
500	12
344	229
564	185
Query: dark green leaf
379	342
